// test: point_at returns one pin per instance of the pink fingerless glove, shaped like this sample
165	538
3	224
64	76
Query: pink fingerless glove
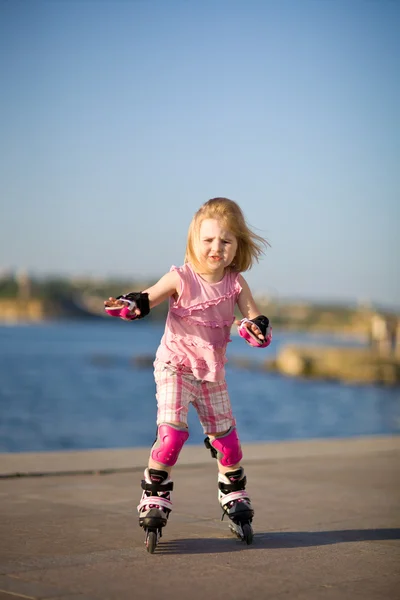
124	312
251	338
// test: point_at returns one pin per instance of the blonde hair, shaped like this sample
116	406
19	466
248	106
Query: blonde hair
250	245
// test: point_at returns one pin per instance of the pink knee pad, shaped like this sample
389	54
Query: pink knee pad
252	339
169	442
228	448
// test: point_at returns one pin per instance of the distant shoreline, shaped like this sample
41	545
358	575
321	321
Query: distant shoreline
23	312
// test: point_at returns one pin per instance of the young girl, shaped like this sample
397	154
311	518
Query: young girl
189	364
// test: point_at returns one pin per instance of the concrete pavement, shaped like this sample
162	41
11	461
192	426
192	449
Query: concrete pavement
327	526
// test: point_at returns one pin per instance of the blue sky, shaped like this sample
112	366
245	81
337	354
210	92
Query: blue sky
119	119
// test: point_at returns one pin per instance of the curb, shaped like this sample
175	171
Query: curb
105	461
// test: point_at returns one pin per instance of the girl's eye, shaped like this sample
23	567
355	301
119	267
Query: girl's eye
225	242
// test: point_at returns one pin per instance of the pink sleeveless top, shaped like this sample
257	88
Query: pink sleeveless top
198	324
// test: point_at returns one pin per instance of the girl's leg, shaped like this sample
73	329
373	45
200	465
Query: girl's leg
221	467
155	504
232	495
173	398
174	393
225	447
215	413
154	464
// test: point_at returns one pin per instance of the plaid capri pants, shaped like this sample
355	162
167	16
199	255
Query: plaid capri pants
177	388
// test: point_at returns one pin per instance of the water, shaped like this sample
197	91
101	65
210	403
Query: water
74	385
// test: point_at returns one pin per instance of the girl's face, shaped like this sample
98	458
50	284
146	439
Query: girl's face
217	247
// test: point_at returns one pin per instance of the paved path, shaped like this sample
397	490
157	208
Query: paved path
327	526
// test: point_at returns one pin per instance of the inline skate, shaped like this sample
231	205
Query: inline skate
235	503
155	505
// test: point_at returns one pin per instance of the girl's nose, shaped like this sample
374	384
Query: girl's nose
216	246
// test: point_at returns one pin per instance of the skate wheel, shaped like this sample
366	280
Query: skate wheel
247	533
151	541
235	531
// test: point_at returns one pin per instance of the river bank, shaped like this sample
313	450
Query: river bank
360	366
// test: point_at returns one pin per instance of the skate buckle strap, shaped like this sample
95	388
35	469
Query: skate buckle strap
233	496
234	486
157	501
207	444
155	487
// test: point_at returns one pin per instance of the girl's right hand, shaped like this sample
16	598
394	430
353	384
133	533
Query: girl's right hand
113	307
114	303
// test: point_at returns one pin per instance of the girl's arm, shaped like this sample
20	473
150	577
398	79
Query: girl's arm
249	309
167	286
246	303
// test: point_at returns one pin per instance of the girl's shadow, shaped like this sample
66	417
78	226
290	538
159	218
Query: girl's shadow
272	540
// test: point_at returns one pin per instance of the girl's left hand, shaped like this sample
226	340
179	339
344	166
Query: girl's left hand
253	328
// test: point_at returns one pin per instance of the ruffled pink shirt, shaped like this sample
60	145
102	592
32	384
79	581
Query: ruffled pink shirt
198	324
